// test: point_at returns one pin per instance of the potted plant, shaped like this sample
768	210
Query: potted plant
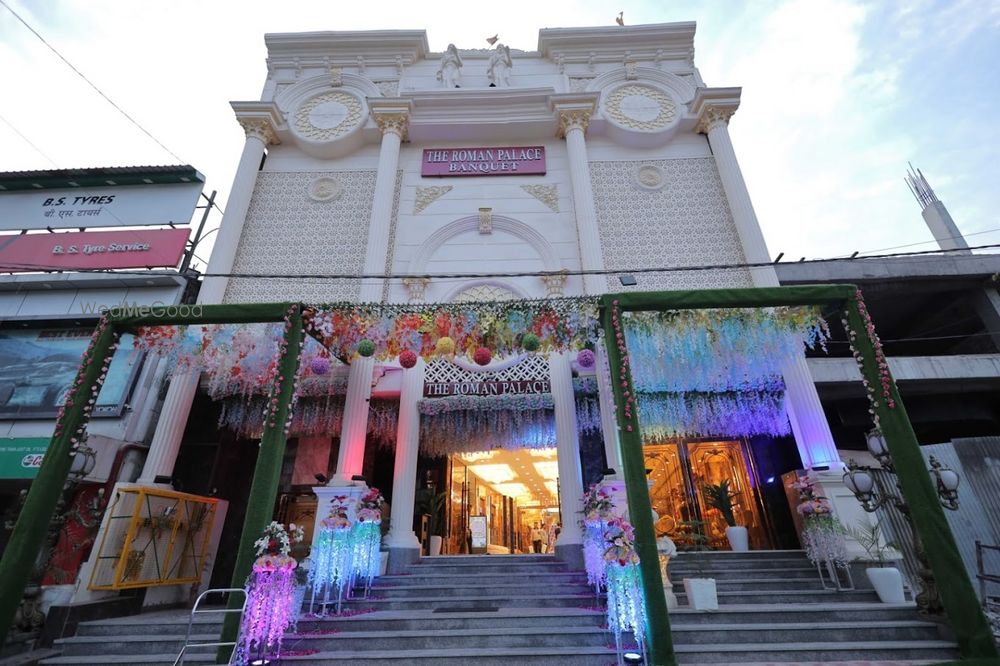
720	497
435	521
701	591
884	577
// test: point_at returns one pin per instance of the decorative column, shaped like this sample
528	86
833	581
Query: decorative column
609	425
574	112
570	541
354	427
404	547
415	289
392	117
259	121
809	425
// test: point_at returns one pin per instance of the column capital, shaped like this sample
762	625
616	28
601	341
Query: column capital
712	116
260	120
415	288
555	283
573	111
392	116
712	106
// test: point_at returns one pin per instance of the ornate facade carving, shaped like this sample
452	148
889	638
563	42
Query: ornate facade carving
258	128
390	255
336	77
688	223
712	116
631	73
579	83
573	119
554	284
416	288
640	107
388	88
547	194
287	233
650	177
428	195
325	189
328	116
485	221
395	122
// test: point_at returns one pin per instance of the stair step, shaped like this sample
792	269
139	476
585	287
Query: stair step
484	590
757	584
750	633
404	620
816	651
486	637
106	659
764	597
581	656
824	611
473	602
135	644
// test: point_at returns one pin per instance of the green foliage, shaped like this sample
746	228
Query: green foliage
432	504
870	538
721	498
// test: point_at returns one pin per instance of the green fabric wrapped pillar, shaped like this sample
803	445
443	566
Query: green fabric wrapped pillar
267	473
659	639
957	594
33	522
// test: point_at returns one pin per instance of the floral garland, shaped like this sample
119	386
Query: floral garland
370	506
588	413
508	402
597	510
666	416
626	420
822	535
499	327
312	416
270	606
883	392
331	567
718	349
626	603
79	436
469	431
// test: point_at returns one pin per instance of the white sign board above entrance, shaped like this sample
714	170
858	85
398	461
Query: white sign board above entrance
72	208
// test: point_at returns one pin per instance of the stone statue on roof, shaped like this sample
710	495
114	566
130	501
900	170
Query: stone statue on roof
498	71
450	72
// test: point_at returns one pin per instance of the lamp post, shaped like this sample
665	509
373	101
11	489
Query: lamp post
872	495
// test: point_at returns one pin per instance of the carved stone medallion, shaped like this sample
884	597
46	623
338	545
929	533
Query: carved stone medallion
328	116
640	107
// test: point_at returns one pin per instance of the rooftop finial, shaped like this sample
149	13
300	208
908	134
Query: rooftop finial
919	186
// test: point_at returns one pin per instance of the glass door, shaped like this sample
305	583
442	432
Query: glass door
678	473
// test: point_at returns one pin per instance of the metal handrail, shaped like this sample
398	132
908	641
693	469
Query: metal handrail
194	610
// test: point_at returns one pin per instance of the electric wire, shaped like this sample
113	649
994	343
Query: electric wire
88	81
27	140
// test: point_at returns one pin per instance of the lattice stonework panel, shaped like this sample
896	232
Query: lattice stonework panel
534	367
683	220
289	230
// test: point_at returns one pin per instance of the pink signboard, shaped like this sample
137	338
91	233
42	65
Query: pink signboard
486	161
78	250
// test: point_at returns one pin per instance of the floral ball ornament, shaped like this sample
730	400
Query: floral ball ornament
320	365
366	348
445	346
407	359
482	356
530	342
586	358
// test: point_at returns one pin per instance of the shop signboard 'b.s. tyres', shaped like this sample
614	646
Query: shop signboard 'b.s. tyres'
484	161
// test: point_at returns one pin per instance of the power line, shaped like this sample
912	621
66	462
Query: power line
89	82
27	140
515	274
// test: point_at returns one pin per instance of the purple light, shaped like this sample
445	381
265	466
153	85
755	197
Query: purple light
270	607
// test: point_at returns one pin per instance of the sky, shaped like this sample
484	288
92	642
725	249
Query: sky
838	95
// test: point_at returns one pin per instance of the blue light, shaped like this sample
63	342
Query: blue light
770	479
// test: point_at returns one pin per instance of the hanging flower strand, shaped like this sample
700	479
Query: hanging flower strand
884	390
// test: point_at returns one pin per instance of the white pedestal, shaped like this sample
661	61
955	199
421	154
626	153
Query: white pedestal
326	494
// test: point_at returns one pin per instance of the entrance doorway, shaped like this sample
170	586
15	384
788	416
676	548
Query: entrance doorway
501	501
678	473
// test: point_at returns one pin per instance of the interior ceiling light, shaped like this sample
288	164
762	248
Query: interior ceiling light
552	487
511	489
476	456
548	469
494	473
543	453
